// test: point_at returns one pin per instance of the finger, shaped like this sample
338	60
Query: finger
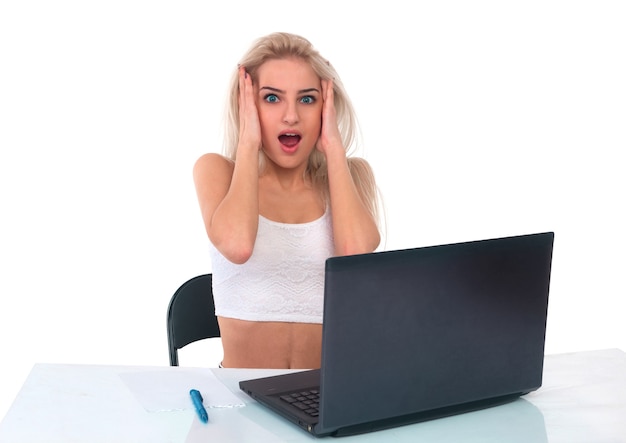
247	78
242	71
246	91
330	91
323	95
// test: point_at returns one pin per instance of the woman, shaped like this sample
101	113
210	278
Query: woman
284	198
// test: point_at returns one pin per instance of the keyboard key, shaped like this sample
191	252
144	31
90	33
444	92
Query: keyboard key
306	401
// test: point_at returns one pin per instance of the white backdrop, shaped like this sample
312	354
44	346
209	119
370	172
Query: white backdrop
481	119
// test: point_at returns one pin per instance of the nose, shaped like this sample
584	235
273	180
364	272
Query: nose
290	116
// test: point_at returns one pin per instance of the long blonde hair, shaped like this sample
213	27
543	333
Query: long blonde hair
281	45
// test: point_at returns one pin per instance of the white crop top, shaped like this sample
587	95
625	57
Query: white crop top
283	280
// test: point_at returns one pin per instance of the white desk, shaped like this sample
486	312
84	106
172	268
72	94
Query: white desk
583	399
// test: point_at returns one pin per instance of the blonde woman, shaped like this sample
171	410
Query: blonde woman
285	197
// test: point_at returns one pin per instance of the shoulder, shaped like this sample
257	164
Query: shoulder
212	160
363	176
358	162
359	166
211	165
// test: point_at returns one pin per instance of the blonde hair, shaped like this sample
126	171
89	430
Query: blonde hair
281	45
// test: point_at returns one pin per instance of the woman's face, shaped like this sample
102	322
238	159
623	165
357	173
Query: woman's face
289	103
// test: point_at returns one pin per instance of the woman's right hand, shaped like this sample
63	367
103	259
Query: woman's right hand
249	126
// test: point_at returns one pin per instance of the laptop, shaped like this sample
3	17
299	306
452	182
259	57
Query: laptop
418	334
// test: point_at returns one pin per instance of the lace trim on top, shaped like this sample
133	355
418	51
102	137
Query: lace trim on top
284	278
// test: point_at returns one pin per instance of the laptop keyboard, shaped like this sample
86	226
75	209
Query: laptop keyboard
306	401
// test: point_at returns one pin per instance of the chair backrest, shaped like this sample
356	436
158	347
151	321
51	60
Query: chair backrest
191	315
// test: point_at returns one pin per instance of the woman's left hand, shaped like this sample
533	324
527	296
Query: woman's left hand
330	137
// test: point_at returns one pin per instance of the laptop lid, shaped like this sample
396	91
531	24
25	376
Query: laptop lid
416	334
422	329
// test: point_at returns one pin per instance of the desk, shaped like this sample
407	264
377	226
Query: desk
583	399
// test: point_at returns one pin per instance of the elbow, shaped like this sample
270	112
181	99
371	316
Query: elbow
235	252
239	256
235	245
352	251
355	248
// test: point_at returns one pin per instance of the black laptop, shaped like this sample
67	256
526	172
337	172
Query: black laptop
418	334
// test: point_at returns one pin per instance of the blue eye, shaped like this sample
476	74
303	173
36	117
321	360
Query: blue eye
271	98
307	100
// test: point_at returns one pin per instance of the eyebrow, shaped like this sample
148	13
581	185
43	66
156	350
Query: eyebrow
280	91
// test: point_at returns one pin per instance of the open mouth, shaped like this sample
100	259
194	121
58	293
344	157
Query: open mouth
289	140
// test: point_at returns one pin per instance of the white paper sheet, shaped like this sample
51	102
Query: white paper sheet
167	390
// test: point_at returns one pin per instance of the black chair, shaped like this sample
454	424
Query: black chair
191	315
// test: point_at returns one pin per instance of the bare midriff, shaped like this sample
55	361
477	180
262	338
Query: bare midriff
252	344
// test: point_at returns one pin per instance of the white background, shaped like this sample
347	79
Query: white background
481	119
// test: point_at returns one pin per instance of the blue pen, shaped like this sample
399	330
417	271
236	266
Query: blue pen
196	397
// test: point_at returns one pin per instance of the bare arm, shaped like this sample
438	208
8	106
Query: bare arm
228	198
228	192
354	227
